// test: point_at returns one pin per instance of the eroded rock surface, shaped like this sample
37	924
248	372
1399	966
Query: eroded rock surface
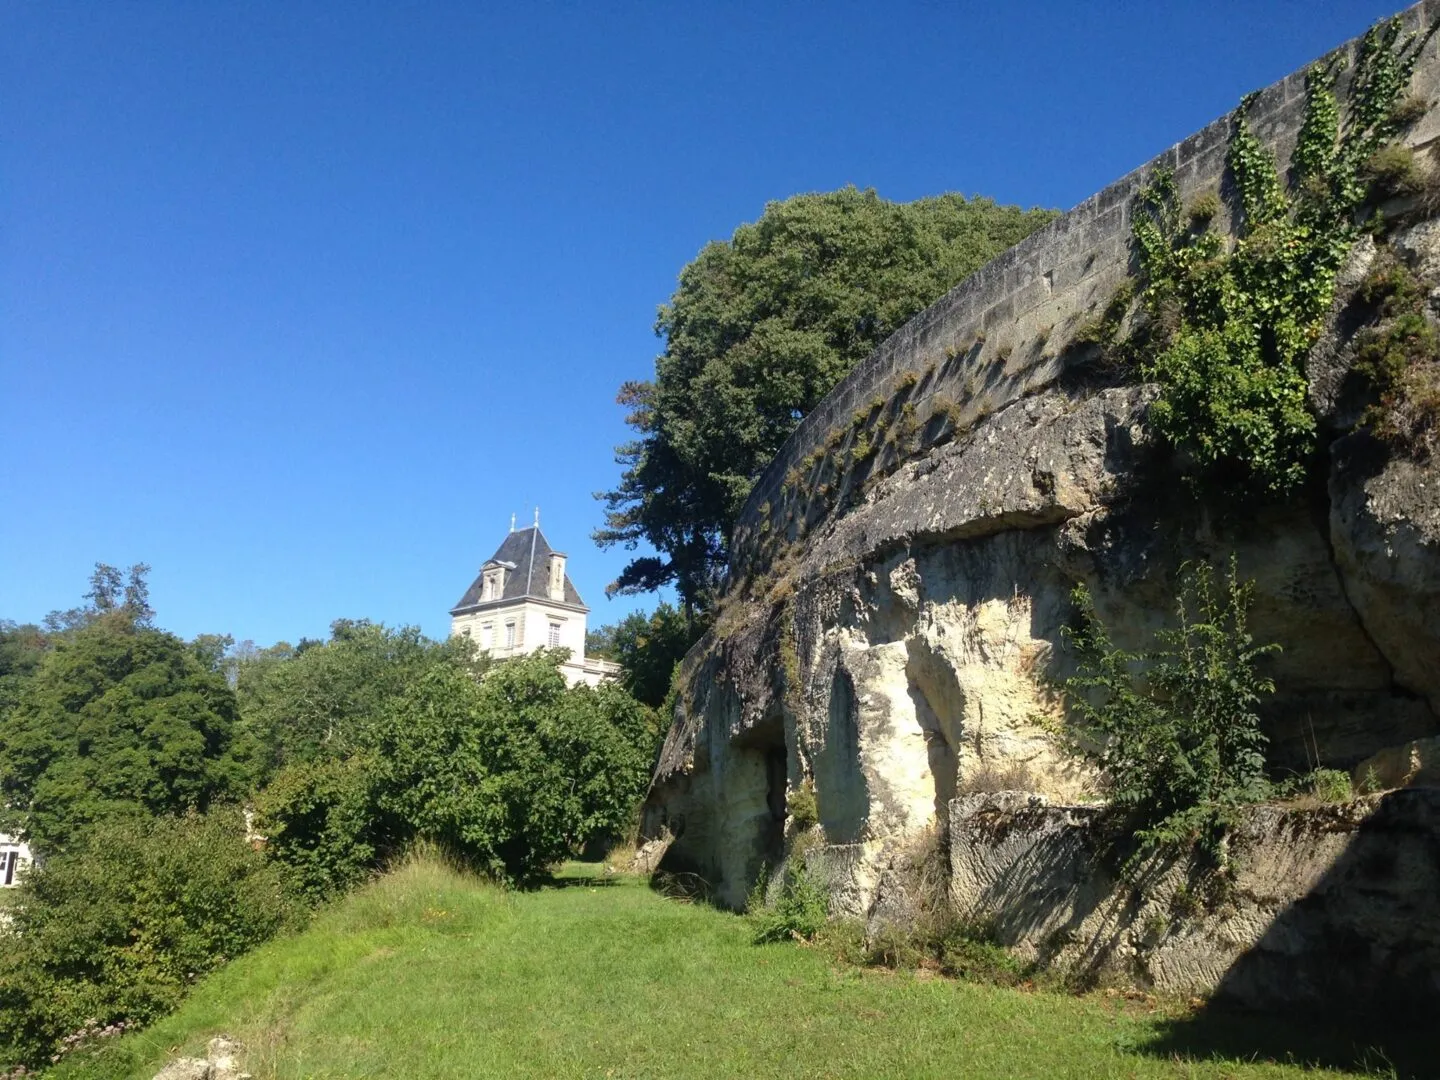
1311	887
894	630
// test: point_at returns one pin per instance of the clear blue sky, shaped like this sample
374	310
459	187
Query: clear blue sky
300	301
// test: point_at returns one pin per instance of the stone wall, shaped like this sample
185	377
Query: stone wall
893	634
1002	333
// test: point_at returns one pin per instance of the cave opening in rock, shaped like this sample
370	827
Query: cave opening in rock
842	794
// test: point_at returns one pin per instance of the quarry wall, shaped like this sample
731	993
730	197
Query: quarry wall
902	576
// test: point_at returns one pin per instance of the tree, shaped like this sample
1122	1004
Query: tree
510	772
110	593
297	703
648	647
22	649
758	331
118	719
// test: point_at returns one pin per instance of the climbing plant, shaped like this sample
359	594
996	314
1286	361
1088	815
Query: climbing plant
1226	328
1174	728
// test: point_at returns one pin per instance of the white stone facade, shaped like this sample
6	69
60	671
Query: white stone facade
522	601
15	859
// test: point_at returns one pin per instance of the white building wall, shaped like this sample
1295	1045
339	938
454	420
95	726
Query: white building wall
14	860
533	619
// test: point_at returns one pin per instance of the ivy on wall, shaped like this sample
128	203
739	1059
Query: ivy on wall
1225	329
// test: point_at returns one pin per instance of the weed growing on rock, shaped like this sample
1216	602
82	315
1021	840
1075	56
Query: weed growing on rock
801	806
1179	739
1400	357
799	911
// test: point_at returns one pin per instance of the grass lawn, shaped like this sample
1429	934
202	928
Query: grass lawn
428	973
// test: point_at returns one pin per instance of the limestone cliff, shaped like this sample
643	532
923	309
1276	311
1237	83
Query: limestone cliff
892	634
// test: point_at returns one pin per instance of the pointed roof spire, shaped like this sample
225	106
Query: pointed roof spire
537	517
512	522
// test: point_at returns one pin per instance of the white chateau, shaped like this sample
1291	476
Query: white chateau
522	601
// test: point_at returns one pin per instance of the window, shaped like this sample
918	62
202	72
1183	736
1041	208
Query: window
554	639
487	635
509	635
466	631
7	867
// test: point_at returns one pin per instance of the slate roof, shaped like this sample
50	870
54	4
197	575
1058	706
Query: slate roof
528	552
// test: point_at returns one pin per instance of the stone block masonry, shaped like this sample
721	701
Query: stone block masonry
1002	333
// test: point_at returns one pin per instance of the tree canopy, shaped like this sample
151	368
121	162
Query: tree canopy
647	648
758	331
509	772
117	719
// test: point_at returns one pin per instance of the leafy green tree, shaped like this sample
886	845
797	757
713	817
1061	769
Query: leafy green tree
114	932
649	646
600	642
510	772
298	703
22	648
111	592
118	719
758	331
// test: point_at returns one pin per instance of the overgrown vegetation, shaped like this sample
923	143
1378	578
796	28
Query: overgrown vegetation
758	331
114	932
1226	331
1174	727
1399	355
125	754
794	908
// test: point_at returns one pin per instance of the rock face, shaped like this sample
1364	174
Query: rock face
221	1062
1335	904
892	634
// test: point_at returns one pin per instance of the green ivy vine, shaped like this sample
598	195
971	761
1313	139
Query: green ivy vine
1226	327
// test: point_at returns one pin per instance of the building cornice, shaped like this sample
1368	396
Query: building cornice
518	601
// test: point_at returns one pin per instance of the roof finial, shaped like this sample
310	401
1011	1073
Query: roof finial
537	517
512	522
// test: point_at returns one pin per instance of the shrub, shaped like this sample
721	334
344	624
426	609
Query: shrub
1204	209
115	931
799	911
1393	170
801	805
509	774
321	824
1179	740
1327	785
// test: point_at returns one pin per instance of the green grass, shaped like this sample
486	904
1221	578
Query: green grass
429	973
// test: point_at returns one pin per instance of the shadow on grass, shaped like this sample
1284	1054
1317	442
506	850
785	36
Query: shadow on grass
574	882
1346	1043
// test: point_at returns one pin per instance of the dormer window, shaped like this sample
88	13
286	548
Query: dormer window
492	584
557	576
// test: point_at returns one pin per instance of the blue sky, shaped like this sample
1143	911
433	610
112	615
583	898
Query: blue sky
300	301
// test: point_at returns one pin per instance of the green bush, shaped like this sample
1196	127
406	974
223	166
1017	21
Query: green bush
113	933
321	823
1327	785
802	807
508	773
1174	728
800	910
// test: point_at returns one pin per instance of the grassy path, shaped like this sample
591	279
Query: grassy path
427	974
